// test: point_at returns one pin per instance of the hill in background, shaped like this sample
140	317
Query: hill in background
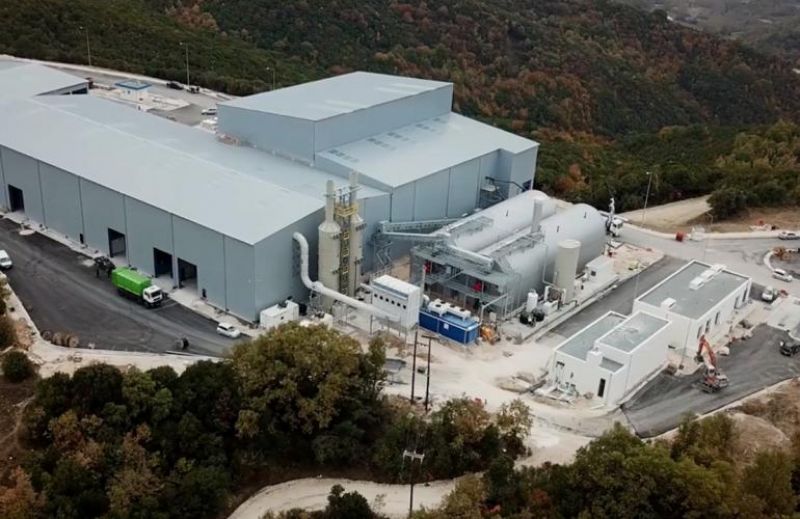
612	90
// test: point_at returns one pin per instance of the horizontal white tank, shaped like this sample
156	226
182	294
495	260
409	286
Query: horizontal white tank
507	217
534	264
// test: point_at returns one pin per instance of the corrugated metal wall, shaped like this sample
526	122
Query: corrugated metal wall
73	206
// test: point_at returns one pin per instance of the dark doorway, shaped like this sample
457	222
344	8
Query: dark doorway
187	273
162	263
602	389
16	199
116	243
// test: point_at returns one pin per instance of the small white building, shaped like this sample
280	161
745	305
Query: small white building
611	356
134	90
279	314
699	299
397	297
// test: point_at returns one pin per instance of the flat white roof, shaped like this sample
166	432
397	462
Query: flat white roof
406	154
694	302
319	100
579	344
393	284
152	160
633	331
21	80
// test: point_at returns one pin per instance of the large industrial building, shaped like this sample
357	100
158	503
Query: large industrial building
216	213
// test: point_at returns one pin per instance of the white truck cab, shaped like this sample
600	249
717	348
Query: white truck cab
152	295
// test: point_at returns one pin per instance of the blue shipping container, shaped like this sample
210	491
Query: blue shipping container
451	326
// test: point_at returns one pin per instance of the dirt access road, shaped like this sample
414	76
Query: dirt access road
753	364
62	294
670	217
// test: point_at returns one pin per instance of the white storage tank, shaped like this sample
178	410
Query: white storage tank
566	267
329	249
531	302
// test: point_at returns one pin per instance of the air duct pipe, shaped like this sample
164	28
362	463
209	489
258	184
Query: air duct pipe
324	291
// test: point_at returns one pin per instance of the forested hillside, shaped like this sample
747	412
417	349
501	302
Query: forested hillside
597	82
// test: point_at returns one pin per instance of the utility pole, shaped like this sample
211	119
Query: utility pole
413	456
88	46
186	47
644	214
647	195
414	365
428	372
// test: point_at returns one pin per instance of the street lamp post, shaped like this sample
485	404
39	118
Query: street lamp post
186	47
647	195
644	213
428	373
272	69
88	46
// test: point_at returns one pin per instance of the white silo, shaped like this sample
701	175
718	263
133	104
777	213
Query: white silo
566	267
356	239
329	248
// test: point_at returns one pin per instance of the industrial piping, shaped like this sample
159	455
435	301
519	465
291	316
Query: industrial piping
321	289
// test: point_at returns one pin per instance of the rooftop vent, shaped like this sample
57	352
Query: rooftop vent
667	303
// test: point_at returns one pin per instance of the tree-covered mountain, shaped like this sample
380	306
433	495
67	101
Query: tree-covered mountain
592	79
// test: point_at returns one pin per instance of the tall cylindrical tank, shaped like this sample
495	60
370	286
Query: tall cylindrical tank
329	250
356	240
566	267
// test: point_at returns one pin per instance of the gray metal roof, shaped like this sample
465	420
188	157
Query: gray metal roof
578	345
632	332
20	80
334	96
611	365
181	170
689	302
406	154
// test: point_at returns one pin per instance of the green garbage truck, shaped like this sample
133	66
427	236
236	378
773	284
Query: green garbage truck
135	285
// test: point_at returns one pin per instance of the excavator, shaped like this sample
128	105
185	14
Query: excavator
713	379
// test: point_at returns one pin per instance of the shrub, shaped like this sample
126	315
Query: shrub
16	366
8	336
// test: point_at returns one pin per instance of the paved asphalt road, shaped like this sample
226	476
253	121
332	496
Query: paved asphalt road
620	299
62	294
753	364
741	255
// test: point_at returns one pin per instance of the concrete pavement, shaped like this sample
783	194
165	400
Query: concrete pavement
744	256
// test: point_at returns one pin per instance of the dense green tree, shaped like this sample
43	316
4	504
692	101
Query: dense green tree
17	367
769	479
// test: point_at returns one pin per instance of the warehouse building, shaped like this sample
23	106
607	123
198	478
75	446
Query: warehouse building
611	357
699	299
216	213
19	80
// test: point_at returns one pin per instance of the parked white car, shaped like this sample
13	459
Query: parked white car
5	260
209	111
782	275
228	330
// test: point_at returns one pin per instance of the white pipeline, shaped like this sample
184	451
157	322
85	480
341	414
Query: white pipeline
321	289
